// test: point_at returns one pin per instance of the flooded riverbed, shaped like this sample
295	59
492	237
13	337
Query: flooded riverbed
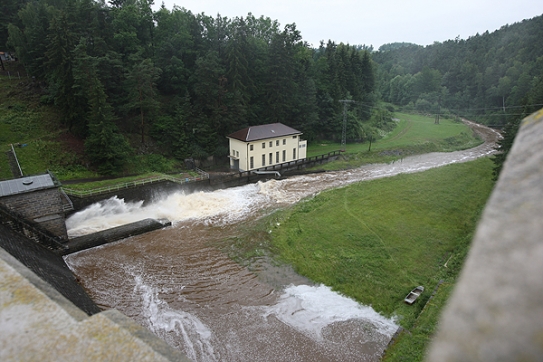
177	283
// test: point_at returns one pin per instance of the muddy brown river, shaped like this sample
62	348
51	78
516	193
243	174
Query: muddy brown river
178	284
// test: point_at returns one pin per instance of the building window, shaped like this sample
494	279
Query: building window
271	158
277	157
293	153
294	136
252	162
237	153
233	153
271	143
284	155
277	143
284	141
263	144
250	147
263	160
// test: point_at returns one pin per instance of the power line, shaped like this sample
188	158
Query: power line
344	130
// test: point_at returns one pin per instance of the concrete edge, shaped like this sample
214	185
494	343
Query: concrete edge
495	312
70	308
114	234
146	336
124	322
534	118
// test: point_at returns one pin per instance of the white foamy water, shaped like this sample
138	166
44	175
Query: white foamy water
173	325
189	293
219	207
309	309
234	204
227	206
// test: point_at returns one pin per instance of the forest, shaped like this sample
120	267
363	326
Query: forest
123	76
491	77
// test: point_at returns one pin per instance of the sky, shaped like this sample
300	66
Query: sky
375	22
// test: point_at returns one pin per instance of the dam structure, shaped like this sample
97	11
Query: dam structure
41	322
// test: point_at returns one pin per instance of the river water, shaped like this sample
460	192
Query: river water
177	282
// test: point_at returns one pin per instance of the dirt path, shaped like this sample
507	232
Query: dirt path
489	135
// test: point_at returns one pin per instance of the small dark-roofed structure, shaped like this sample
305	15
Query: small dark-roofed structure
26	184
38	200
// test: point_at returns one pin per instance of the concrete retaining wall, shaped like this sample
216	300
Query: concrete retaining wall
496	310
39	324
42	206
48	266
114	234
151	192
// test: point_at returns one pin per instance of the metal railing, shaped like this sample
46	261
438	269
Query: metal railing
278	170
30	229
16	161
202	173
132	184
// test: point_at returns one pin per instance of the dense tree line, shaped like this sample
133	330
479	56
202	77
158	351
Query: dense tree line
120	70
493	77
184	80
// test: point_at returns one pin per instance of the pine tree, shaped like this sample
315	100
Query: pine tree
504	145
142	95
61	43
105	147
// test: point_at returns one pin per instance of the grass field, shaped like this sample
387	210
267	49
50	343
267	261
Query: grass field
414	134
374	241
34	130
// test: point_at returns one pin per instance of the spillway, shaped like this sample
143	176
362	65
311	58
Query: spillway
177	282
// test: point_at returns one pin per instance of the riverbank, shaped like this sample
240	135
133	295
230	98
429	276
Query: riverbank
374	241
230	204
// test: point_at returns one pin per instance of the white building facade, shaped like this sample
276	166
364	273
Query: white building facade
267	145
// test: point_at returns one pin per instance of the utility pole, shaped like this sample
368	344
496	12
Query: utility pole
344	131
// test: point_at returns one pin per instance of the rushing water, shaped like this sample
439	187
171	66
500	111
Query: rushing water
179	285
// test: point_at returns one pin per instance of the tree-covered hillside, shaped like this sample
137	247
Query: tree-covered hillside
492	77
184	80
122	76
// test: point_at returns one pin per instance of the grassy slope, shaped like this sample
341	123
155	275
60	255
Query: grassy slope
24	120
376	240
48	145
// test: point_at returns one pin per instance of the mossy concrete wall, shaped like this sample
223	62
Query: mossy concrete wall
496	310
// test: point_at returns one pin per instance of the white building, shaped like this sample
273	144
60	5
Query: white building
267	145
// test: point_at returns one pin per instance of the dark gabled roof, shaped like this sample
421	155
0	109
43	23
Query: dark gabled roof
265	131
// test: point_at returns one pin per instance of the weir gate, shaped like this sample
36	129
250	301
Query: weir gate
36	206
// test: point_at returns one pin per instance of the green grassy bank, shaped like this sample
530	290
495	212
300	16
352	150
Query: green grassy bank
374	241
